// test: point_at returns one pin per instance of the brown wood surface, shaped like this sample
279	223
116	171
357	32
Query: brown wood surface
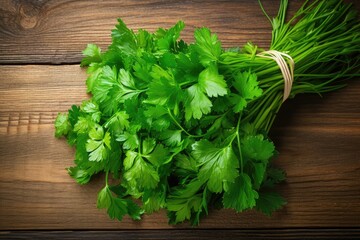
57	31
193	234
318	138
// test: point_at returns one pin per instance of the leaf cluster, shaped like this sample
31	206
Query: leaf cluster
167	124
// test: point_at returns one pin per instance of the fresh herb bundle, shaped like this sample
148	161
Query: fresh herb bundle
185	126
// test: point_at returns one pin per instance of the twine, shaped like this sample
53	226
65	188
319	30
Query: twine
286	67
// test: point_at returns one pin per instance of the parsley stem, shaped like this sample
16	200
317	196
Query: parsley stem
186	83
179	125
265	111
106	178
239	145
271	120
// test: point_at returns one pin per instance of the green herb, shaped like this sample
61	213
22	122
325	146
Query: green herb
185	126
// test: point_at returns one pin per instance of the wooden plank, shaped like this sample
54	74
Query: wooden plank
57	31
36	89
318	140
184	234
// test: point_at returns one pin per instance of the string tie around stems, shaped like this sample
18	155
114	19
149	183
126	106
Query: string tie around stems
286	67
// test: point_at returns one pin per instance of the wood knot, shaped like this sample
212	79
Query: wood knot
28	22
28	16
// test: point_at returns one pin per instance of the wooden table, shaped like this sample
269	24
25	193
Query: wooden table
40	50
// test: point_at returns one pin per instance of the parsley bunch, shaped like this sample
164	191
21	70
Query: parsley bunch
184	126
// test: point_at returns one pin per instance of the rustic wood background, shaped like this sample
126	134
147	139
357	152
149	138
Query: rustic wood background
40	50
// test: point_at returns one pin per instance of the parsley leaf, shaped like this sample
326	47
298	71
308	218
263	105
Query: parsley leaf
62	125
163	90
84	124
80	175
257	148
92	108
124	39
98	145
207	46
84	168
268	202
118	122
218	165
154	199
186	202
92	55
158	118
212	83
139	172
94	72
171	138
197	103
166	39
117	207
240	195
130	140
247	86
107	89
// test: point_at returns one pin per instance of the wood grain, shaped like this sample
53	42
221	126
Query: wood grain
318	140
195	234
57	31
